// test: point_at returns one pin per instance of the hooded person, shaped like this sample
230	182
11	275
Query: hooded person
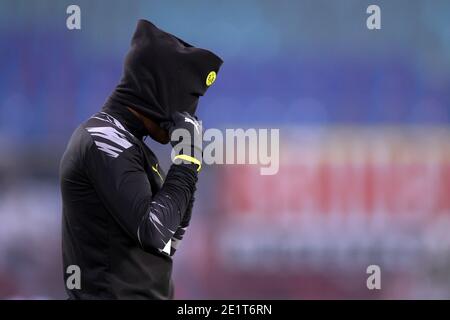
122	216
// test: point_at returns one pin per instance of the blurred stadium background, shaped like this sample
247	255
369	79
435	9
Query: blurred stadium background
364	126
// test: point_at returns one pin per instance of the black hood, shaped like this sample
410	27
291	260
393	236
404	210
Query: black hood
163	74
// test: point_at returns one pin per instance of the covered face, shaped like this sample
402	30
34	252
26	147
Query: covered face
164	74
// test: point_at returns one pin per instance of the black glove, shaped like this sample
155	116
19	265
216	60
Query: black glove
186	138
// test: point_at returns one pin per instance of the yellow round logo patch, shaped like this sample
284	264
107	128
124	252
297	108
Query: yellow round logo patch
211	78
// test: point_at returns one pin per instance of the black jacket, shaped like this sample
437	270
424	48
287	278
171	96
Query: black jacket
120	213
122	218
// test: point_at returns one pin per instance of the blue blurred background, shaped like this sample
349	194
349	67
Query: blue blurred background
363	117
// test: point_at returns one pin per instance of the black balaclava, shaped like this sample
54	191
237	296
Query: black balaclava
163	74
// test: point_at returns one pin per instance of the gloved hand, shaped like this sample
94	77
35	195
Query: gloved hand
185	133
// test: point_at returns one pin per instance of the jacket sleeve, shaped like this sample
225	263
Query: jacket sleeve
181	230
123	186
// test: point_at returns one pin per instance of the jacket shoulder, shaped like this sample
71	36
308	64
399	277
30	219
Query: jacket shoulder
108	134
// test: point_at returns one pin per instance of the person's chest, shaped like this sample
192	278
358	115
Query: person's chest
154	172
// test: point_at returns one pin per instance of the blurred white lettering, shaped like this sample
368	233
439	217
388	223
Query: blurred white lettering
374	280
374	20
74	280
74	20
